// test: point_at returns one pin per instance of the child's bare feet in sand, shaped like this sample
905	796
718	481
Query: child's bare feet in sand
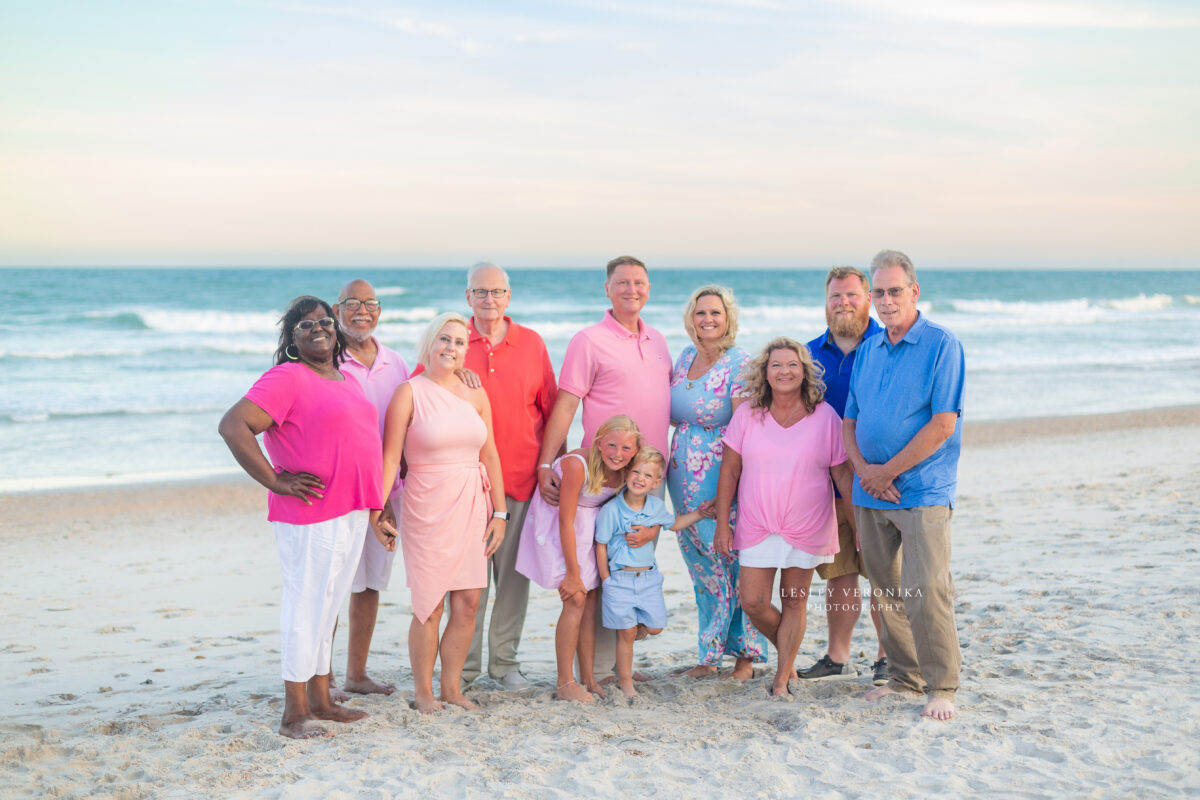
365	686
426	704
597	688
627	688
571	690
337	713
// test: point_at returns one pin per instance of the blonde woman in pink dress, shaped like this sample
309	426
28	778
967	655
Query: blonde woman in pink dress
558	548
453	515
783	454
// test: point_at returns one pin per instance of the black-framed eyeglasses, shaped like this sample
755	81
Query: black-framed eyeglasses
893	292
309	324
352	303
482	293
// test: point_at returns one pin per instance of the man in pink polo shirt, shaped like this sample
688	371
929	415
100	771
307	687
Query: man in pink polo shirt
380	370
620	365
514	367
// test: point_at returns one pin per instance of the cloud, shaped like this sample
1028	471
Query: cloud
1008	14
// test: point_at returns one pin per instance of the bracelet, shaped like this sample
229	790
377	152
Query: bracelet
545	466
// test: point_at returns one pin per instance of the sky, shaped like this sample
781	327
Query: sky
975	133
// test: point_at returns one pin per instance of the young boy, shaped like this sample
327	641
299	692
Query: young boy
632	599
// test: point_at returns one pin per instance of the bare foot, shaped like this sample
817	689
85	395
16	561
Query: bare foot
337	713
458	699
878	694
779	690
743	671
365	686
303	729
336	695
596	688
641	677
627	689
574	692
698	671
426	705
939	708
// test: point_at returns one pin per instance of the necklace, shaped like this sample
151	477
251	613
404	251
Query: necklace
788	419
710	364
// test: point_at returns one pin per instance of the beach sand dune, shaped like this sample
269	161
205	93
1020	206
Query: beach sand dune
139	656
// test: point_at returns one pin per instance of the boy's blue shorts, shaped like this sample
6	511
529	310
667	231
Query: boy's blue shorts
630	597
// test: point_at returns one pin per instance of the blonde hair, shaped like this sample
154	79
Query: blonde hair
425	347
758	390
725	295
650	455
595	461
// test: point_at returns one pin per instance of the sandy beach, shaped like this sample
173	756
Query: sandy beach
139	656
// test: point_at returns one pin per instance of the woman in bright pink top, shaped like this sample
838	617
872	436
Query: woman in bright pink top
783	454
324	477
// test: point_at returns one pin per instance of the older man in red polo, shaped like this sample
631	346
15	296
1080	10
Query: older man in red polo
512	362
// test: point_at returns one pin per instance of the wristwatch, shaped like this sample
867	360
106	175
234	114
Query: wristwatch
504	515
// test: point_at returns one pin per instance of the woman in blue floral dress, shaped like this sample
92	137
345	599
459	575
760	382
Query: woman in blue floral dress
704	385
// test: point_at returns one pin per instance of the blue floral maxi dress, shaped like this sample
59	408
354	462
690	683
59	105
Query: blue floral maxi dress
700	410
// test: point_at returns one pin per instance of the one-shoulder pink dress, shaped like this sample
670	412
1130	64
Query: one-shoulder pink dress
540	555
446	501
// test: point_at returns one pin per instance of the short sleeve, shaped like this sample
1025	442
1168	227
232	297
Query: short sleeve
658	513
275	392
948	378
735	432
578	368
837	448
606	523
851	410
737	366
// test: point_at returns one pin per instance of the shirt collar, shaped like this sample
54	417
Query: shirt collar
381	355
619	330
873	328
510	336
913	336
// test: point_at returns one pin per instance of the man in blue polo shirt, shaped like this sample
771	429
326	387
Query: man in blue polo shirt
903	432
848	314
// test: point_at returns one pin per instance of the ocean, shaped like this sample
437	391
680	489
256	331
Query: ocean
120	375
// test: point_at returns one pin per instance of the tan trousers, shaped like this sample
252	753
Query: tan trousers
508	608
906	556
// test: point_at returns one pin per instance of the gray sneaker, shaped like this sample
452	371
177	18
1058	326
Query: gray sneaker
828	670
881	672
515	681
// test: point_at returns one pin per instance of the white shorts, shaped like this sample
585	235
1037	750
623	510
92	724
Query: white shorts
774	552
317	561
375	564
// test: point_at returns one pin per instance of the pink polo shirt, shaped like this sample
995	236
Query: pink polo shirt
785	486
618	372
379	382
323	427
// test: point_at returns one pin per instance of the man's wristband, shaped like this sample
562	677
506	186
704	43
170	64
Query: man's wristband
545	466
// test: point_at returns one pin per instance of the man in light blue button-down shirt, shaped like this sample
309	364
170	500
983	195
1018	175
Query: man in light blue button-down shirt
903	432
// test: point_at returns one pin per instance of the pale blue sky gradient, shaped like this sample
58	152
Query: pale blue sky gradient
562	133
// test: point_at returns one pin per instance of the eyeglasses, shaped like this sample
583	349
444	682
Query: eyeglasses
351	304
482	293
309	324
893	293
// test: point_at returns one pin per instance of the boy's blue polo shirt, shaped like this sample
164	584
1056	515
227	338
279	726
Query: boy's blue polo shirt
894	391
838	365
616	518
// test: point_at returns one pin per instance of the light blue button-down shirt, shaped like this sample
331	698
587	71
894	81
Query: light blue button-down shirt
894	391
616	518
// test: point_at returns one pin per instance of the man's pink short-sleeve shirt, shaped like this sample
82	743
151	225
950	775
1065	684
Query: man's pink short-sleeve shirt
379	382
785	486
326	428
616	371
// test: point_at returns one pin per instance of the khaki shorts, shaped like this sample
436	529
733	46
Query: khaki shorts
847	561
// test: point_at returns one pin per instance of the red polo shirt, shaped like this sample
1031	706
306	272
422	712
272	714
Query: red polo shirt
519	381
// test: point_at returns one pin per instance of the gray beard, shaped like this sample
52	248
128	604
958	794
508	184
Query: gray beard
356	336
853	328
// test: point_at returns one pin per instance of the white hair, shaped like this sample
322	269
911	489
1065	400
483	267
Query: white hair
482	265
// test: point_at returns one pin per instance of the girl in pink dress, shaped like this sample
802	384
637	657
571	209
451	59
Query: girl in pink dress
557	546
783	454
449	524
